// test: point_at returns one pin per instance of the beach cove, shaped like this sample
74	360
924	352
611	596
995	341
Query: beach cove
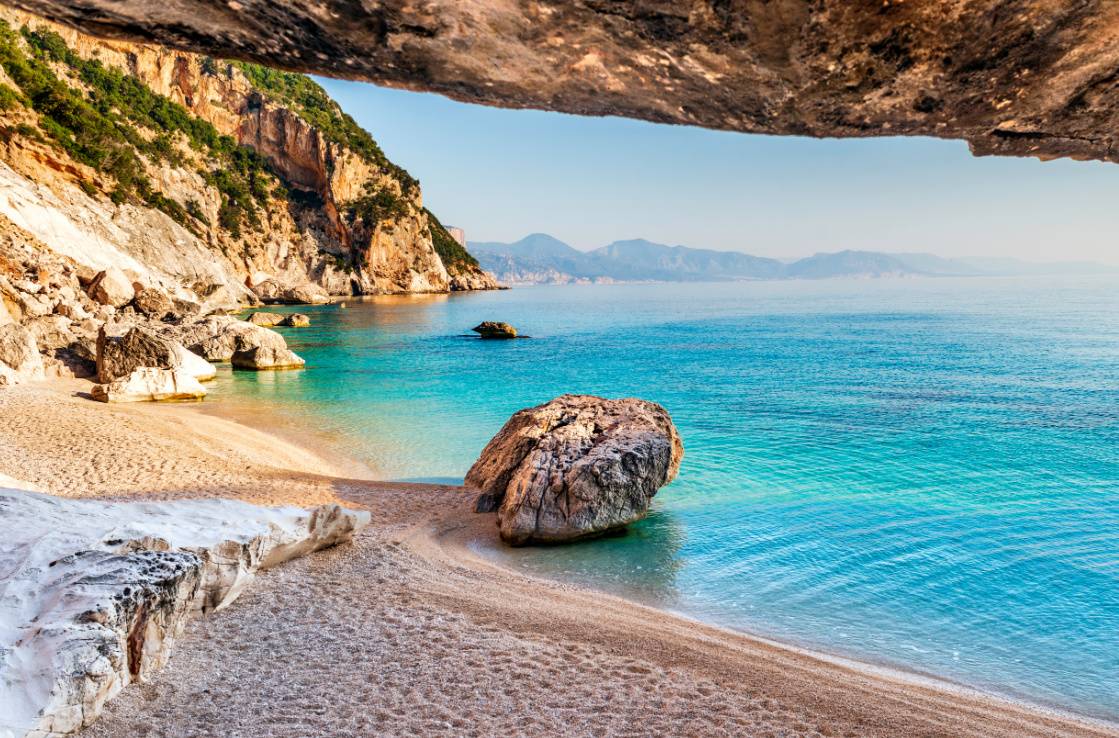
409	630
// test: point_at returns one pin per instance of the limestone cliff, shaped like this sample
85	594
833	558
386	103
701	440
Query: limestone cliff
203	177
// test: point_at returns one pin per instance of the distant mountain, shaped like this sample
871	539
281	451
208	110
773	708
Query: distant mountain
638	259
847	264
535	245
543	259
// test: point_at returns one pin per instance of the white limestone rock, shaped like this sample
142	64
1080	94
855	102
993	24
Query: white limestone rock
150	384
194	365
93	594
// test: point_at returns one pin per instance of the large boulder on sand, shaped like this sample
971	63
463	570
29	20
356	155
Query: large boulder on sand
119	356
112	287
575	467
20	360
149	384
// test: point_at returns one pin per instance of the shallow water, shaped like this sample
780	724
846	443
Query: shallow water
921	473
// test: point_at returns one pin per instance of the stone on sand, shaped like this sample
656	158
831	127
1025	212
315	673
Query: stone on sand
575	467
150	384
140	346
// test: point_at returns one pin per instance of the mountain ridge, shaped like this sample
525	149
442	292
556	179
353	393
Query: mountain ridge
641	260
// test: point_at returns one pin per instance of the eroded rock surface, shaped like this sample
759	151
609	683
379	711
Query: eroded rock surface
95	593
575	467
1017	77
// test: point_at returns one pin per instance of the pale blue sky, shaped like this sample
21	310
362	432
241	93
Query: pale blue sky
501	174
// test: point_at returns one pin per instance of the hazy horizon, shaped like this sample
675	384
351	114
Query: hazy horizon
502	174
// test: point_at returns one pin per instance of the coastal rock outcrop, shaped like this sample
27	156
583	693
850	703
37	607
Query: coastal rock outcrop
575	467
244	344
150	384
96	593
1011	77
494	329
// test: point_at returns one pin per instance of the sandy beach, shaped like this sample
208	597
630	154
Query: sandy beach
410	632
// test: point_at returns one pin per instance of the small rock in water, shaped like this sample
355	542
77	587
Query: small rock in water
494	329
296	320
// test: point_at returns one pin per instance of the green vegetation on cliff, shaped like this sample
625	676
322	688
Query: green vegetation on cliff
310	101
97	127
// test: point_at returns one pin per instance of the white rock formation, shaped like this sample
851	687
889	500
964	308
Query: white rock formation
150	384
195	365
93	594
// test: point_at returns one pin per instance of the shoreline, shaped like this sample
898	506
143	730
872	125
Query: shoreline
432	533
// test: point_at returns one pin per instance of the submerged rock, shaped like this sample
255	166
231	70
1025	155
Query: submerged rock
96	593
575	467
494	329
150	384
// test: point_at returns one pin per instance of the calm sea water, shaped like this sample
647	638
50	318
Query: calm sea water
920	473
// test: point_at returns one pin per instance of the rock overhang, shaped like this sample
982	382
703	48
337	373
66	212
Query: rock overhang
1011	77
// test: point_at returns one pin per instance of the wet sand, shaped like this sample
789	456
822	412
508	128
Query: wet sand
408	631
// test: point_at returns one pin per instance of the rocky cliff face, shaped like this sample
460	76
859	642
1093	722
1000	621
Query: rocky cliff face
202	177
1011	77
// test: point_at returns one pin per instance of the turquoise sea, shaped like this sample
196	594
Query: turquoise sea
917	473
